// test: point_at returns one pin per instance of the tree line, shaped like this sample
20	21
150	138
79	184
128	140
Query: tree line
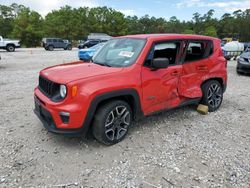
18	21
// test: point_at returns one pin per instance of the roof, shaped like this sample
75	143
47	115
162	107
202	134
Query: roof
169	36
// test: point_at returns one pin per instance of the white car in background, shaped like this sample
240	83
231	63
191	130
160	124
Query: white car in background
8	44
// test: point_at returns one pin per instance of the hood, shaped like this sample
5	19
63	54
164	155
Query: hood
87	50
66	73
245	55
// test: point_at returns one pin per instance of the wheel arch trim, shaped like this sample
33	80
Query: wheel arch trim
136	108
219	79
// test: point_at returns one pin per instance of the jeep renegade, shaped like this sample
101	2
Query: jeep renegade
131	76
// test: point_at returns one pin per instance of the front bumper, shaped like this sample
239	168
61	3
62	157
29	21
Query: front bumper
50	116
243	67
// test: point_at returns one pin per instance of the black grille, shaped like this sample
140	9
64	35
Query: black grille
48	87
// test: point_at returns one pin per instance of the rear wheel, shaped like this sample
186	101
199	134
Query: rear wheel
111	122
10	48
212	95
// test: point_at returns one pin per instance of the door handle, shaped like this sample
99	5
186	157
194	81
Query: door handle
175	73
201	67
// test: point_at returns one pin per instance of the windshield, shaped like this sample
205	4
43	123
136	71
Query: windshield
97	46
120	52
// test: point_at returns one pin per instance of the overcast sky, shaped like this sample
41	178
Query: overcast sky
183	9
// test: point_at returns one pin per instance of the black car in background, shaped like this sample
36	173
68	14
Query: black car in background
243	62
90	43
52	43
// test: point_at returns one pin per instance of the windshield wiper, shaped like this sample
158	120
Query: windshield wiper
102	64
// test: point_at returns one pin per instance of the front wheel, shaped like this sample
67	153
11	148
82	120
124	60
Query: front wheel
10	48
111	122
69	47
50	48
212	95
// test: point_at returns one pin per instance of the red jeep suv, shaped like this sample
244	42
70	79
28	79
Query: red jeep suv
131	76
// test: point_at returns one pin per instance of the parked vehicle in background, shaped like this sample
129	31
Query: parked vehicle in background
130	77
99	36
246	46
232	49
243	62
52	43
8	44
93	39
90	43
88	53
226	40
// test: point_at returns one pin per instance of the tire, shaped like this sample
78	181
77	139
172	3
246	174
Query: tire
50	48
238	72
112	121
10	48
212	95
69	47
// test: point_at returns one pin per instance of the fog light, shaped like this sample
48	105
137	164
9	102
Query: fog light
64	117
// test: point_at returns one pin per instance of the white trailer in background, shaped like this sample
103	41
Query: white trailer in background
232	49
99	36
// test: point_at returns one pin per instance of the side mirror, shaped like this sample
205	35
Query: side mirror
159	63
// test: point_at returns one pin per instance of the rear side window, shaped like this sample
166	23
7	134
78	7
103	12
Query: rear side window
54	40
164	50
198	50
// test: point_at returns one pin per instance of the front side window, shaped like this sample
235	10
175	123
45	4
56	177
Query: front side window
167	50
120	52
198	50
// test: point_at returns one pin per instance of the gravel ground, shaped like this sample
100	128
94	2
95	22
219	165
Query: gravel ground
178	148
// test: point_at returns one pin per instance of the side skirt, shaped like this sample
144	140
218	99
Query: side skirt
184	103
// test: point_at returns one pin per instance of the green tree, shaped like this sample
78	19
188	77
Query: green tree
174	25
188	31
210	31
70	23
28	27
6	20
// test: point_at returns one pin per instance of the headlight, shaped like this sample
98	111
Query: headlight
63	91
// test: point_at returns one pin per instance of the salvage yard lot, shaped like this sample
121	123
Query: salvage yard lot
174	148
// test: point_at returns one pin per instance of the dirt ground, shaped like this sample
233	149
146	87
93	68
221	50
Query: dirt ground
178	148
